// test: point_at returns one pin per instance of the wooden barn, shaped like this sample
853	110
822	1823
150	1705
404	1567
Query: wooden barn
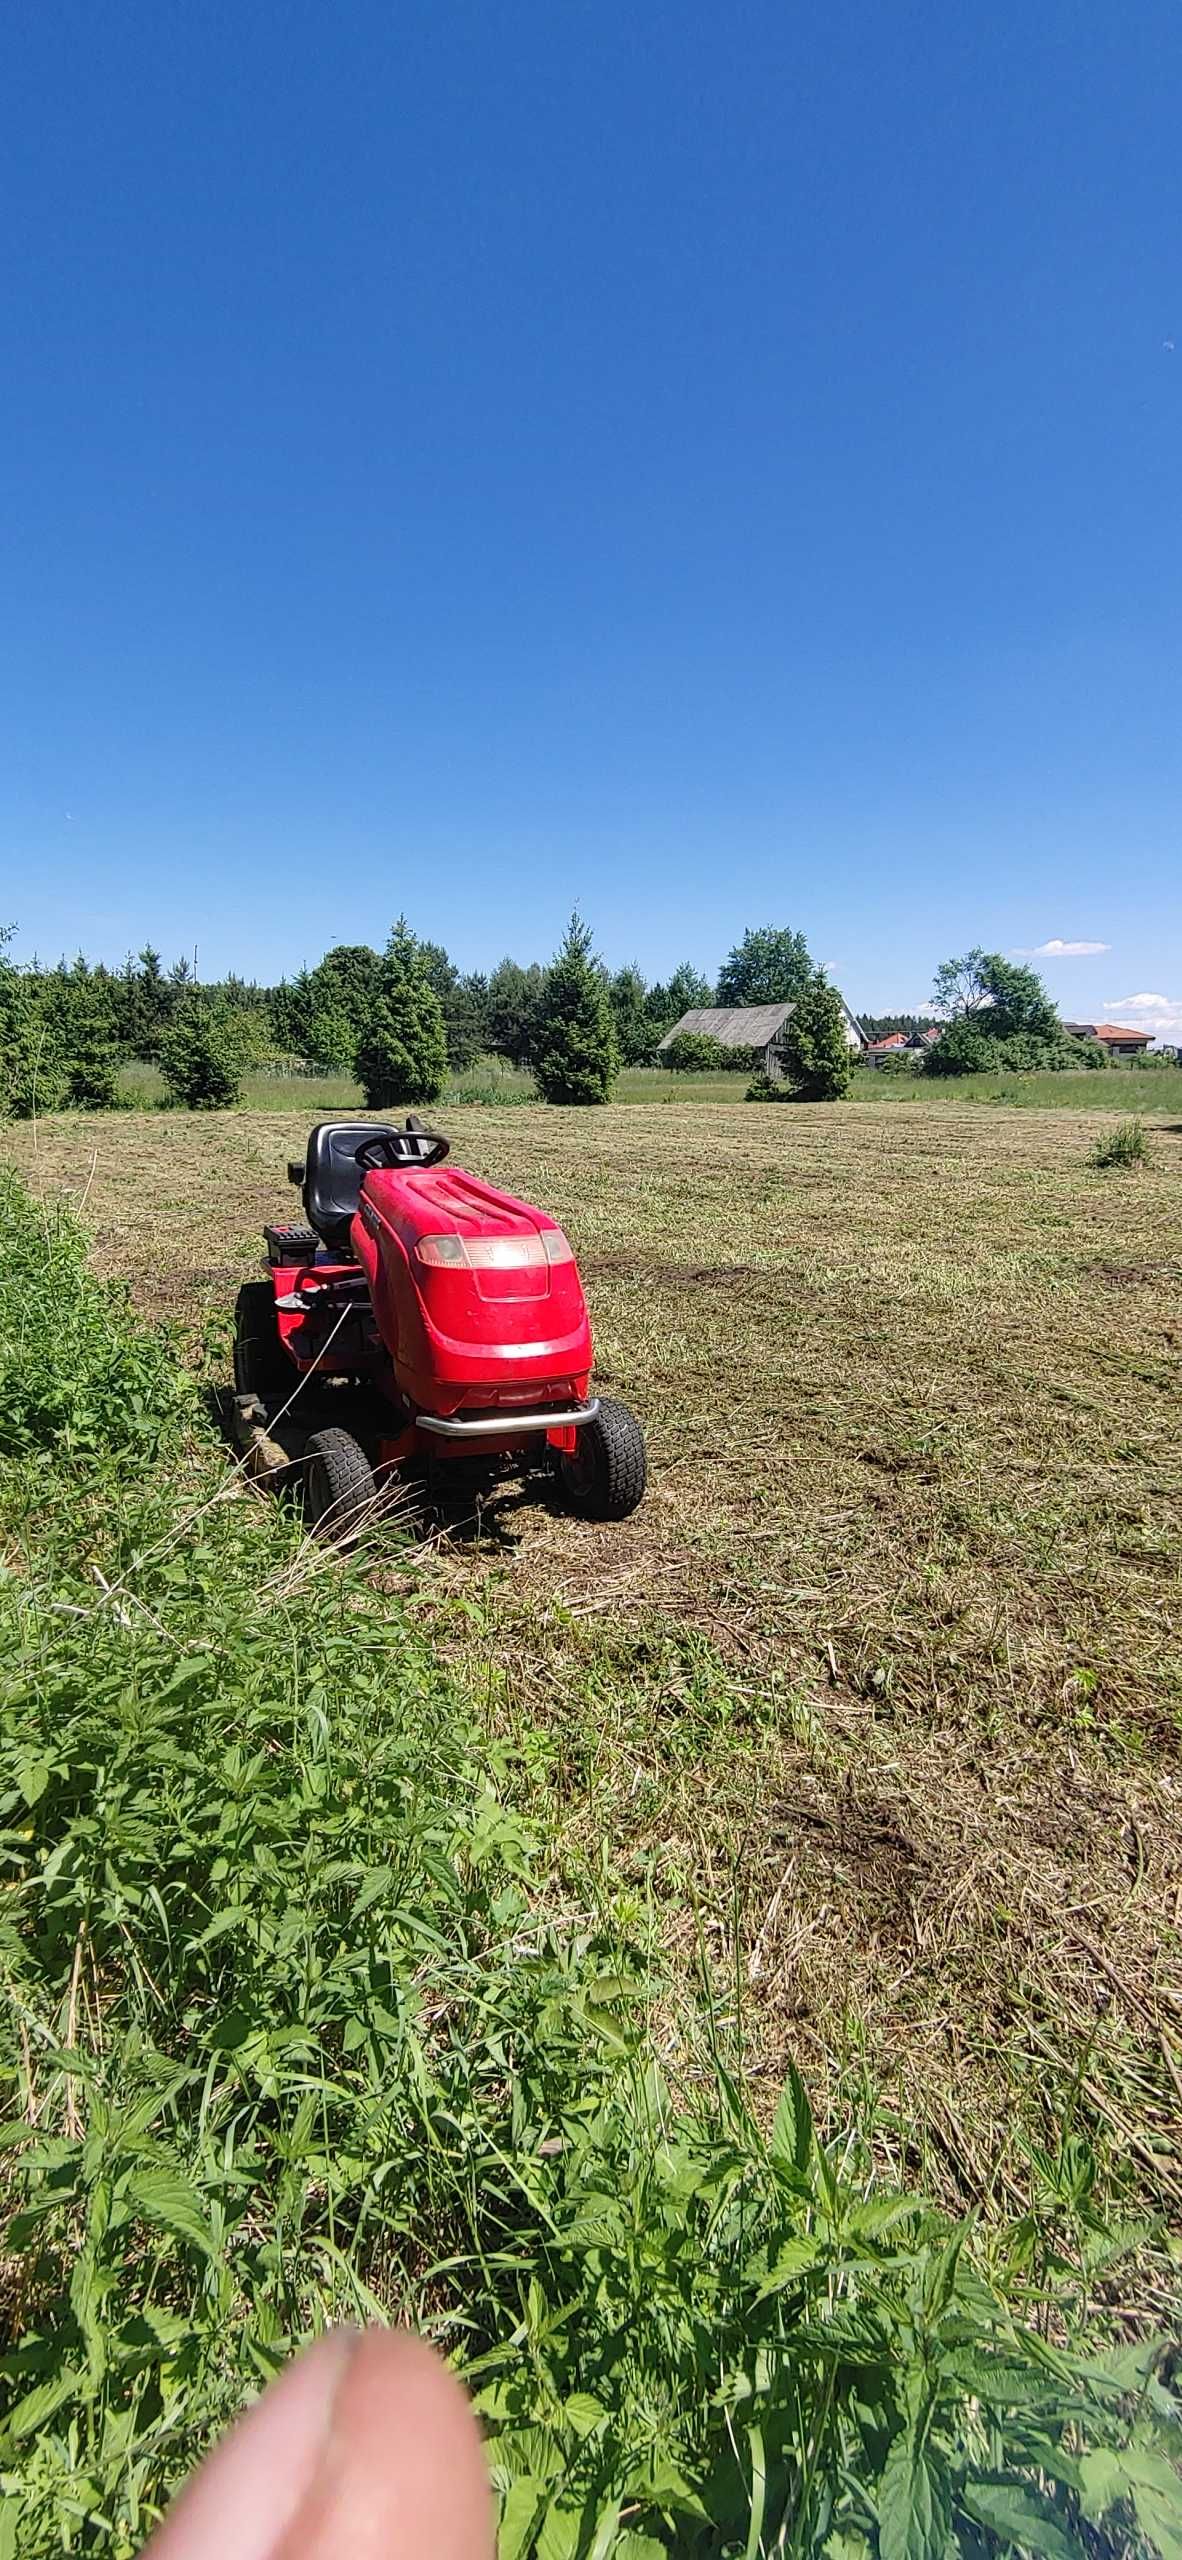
758	1027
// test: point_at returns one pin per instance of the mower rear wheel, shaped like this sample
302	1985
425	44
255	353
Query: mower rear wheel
261	1365
606	1476
339	1487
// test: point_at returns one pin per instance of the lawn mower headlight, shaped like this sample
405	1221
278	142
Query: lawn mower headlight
494	1253
441	1253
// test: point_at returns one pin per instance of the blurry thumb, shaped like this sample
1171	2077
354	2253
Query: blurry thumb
366	2445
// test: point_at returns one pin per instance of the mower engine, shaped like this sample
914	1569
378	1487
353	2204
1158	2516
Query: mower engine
449	1316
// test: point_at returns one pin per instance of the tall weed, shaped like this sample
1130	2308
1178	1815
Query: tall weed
1125	1145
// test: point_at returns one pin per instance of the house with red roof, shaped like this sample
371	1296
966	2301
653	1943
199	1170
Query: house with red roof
877	1052
899	1044
1115	1037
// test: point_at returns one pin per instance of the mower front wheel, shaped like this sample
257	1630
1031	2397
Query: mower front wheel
339	1487
605	1477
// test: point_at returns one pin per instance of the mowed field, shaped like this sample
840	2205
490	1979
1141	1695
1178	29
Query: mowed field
877	1701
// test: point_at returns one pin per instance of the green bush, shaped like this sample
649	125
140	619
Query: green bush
402	1052
966	1049
296	2028
574	1055
695	1053
203	1056
961	1050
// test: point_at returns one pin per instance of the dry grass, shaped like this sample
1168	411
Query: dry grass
878	1697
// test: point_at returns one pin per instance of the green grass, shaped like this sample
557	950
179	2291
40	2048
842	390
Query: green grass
492	1080
143	1086
1149	1088
311	2010
488	1081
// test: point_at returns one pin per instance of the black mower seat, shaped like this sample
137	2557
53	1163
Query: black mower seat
333	1177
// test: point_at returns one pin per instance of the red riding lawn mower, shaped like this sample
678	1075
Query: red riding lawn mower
422	1315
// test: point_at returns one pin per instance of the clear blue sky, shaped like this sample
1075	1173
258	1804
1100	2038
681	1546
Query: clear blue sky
715	464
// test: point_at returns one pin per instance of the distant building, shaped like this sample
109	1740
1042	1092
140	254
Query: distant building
758	1027
912	1045
1115	1037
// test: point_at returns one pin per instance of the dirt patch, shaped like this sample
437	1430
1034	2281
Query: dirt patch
1136	1275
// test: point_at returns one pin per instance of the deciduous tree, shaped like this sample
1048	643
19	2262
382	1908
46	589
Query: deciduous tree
770	964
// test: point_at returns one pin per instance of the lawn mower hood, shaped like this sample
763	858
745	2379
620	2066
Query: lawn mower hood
476	1294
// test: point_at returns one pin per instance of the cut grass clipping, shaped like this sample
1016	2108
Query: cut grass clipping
297	2027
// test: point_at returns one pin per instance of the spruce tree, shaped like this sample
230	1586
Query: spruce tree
816	1050
402	1052
32	1070
202	1055
574	1055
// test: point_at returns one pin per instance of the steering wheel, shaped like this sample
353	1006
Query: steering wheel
392	1150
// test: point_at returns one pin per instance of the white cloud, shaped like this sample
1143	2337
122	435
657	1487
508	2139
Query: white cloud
1056	949
1160	1014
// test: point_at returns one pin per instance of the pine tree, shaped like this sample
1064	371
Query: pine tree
512	998
85	1005
574	1058
816	1050
628	998
32	1073
202	1055
331	1040
402	1052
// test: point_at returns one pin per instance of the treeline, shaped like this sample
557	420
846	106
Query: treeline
401	1019
881	1026
404	1019
324	1012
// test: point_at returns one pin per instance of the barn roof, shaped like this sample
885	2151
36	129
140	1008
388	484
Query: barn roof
734	1026
744	1026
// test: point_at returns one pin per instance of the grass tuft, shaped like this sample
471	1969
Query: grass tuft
1125	1145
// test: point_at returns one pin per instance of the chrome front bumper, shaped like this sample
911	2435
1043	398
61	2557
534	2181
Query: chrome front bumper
508	1424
